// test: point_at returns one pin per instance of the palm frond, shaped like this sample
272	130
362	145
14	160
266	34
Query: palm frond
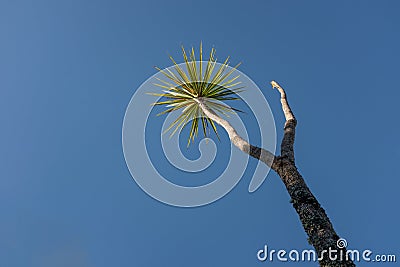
185	82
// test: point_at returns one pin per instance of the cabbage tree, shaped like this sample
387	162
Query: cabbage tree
202	93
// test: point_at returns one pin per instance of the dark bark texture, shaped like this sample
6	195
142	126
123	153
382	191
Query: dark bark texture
312	216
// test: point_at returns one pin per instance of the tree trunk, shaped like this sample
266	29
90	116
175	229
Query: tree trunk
312	216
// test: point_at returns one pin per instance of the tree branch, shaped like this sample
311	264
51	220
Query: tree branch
287	145
259	153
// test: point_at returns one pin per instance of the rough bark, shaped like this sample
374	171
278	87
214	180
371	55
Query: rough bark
316	223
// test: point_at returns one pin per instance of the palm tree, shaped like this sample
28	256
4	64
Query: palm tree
199	93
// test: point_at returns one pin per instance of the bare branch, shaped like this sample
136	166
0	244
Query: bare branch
259	153
287	144
285	105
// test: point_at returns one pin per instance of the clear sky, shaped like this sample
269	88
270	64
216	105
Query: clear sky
69	68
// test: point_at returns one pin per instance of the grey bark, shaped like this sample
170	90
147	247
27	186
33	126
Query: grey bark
316	223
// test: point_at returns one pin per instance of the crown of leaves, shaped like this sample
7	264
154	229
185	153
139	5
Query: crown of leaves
183	83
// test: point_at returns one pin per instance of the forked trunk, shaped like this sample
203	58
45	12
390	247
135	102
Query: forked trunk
312	216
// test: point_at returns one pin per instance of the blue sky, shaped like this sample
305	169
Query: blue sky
69	68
